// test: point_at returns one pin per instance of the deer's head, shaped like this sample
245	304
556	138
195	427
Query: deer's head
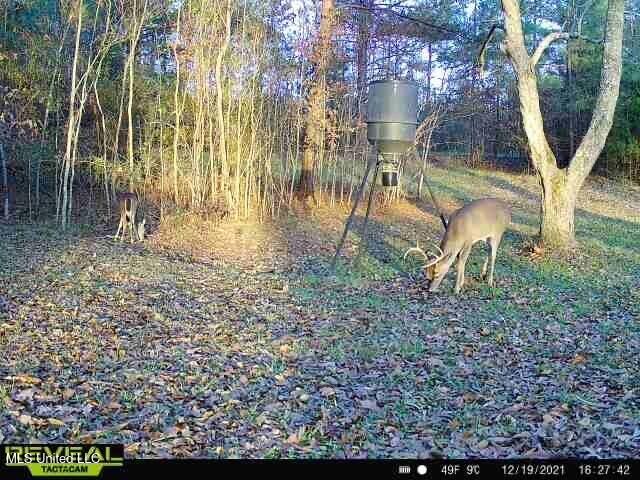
433	270
437	264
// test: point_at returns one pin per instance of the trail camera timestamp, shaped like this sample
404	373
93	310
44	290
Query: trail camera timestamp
534	469
622	470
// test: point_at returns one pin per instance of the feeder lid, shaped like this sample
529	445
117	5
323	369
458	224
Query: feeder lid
392	101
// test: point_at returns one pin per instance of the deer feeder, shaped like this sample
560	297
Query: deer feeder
391	123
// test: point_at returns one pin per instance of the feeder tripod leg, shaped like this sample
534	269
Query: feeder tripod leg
363	235
433	198
353	212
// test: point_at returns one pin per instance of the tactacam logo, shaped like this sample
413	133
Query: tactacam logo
67	460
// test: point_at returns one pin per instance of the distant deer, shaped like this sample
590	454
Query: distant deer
128	205
485	219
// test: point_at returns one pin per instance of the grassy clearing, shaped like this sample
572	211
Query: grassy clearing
239	341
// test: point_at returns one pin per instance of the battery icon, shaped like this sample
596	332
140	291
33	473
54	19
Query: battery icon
404	469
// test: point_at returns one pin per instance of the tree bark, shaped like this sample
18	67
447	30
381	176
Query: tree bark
5	184
362	55
63	209
557	224
560	187
429	70
593	142
571	104
178	112
137	25
315	118
222	135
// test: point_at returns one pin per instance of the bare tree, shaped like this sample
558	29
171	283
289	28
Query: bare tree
315	119
178	111
137	23
63	208
424	133
362	52
560	186
5	183
222	136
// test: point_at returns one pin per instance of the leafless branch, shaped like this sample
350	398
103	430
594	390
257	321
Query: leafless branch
401	15
544	44
479	60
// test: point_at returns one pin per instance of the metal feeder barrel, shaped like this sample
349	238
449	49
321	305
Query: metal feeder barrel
392	115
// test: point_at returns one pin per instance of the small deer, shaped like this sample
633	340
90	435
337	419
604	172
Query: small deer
128	205
485	219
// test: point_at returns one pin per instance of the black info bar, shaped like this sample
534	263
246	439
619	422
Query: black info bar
392	469
109	461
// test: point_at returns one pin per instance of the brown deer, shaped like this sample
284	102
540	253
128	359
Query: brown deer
128	205
485	219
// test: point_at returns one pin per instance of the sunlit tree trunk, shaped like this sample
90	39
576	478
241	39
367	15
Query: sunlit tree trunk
63	208
178	111
222	135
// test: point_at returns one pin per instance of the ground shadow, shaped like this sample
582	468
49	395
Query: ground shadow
611	232
505	185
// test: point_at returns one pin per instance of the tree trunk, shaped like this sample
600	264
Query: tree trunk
571	104
63	208
5	184
178	111
137	24
130	153
315	119
429	70
560	187
362	56
498	124
558	203
222	135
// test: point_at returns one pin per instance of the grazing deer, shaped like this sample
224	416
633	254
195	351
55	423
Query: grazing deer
485	219
128	205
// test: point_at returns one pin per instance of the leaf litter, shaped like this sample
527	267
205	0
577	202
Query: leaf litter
179	349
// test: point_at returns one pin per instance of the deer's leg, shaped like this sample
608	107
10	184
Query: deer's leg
494	242
134	226
136	237
131	228
119	228
124	229
128	225
462	261
483	275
